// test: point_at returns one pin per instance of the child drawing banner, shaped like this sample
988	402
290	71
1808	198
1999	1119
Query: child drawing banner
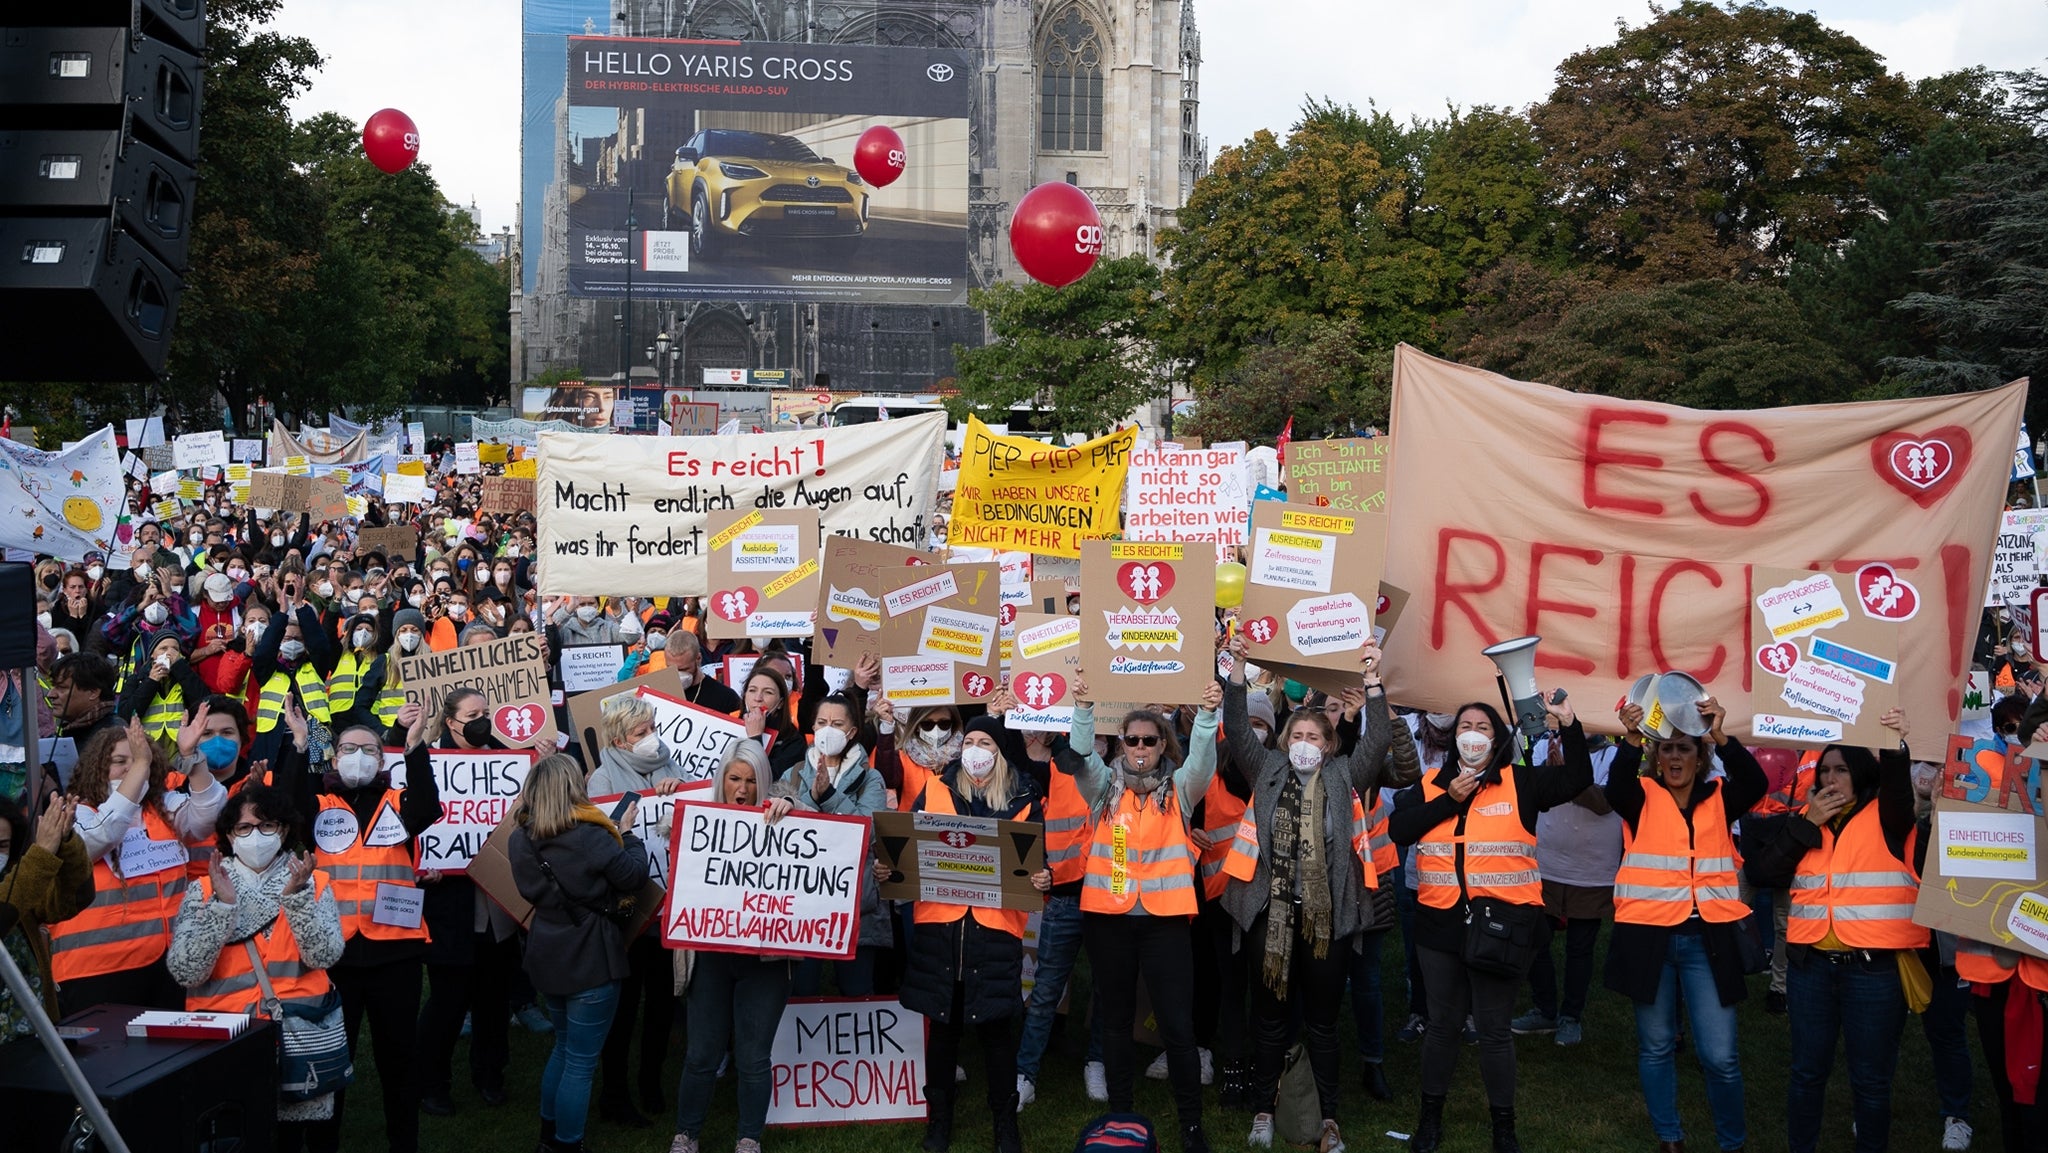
1623	532
65	504
629	516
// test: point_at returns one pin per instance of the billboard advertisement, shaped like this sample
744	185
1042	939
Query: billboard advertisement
583	405
723	170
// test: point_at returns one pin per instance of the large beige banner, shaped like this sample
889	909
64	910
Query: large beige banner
1625	533
318	447
629	515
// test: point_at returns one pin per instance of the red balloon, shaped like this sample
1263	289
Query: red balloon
1056	233
879	156
391	140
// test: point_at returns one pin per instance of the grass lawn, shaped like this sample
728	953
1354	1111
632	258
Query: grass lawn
1577	1099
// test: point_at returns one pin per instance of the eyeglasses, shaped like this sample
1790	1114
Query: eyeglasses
1142	742
356	749
267	828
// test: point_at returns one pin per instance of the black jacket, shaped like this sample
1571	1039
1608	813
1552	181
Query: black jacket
571	945
419	806
1776	861
989	962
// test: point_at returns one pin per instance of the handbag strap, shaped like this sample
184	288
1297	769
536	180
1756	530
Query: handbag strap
271	1004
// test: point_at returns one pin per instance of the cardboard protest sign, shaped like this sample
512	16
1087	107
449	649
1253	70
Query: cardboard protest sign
199	450
2014	571
630	515
586	709
1042	671
505	494
1340	474
1049	596
327	499
477	790
1985	876
1018	493
1620	530
846	1060
586	667
940	633
1826	656
691	418
491	871
1148	613
396	540
656	818
1013	576
960	860
280	491
527	469
850	599
510	672
743	885
1188	494
1312	585
695	737
764	573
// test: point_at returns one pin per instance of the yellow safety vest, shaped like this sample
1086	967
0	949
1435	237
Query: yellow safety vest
312	694
342	686
165	714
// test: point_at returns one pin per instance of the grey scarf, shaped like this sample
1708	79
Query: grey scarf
645	767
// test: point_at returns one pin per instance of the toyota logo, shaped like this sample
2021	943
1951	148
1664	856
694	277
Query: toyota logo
811	180
940	73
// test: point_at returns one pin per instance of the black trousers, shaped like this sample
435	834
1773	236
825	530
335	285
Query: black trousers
650	984
998	1055
1456	989
482	989
389	996
1315	986
2023	1126
1119	948
1580	934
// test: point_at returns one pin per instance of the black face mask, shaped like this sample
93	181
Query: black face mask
477	730
50	582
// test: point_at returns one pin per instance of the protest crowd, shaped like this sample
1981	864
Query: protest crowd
387	766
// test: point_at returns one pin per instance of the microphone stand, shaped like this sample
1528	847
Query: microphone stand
46	1032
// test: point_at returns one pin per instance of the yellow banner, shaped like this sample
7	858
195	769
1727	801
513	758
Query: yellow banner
491	453
1020	493
528	468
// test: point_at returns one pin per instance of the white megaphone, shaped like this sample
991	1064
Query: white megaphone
1516	660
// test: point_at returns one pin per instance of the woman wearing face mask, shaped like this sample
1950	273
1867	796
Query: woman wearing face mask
163	691
1473	823
582	622
835	777
364	842
764	706
156	612
924	748
262	894
1678	908
290	662
44	875
1852	863
135	832
965	966
365	688
1297	892
1138	894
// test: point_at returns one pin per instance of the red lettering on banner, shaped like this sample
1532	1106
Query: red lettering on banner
1955	576
1449	593
1721	467
1628	616
1596	458
1548	658
1653	629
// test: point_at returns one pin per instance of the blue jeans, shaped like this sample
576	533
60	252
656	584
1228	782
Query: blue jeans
1862	1003
1368	1011
736	998
1687	971
1059	946
582	1020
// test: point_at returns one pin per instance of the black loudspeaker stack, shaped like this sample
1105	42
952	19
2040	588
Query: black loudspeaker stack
99	136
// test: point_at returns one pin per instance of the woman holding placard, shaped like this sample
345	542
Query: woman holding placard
1138	894
735	999
967	966
835	777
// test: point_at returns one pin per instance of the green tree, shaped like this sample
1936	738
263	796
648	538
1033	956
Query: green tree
1322	377
1085	350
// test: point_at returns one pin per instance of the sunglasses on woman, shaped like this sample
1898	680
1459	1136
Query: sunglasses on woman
1142	742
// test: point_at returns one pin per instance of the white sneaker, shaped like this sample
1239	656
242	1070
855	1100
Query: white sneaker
1097	1081
1330	1141
1956	1133
1026	1092
1262	1132
959	1074
683	1144
1208	1067
1157	1069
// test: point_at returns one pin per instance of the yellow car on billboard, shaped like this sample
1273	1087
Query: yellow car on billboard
729	183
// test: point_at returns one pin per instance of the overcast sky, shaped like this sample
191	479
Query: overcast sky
453	65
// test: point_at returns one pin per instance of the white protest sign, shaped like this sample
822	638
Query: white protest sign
467	462
586	667
1048	649
246	451
914	681
1803	606
400	488
743	885
838	1060
657	815
696	738
1174	493
477	790
628	515
1995	846
199	450
2013	559
416	436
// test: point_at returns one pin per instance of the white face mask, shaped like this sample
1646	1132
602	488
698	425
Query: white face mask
96	571
4	858
1474	749
363	638
358	769
935	735
502	578
291	650
647	746
687	679
142	572
43	619
457	611
1304	755
978	762
325	589
829	742
254	631
657	641
277	540
238	574
416	600
408	641
156	613
257	850
586	613
163	661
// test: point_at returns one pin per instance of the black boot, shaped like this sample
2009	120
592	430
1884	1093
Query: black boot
1429	1128
650	1091
1376	1082
1504	1130
547	1136
938	1116
1008	1140
616	1108
1193	1140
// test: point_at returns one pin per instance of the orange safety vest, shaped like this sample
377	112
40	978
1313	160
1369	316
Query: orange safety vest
937	798
1066	829
128	924
1139	853
1669	869
1499	852
359	869
1855	886
1370	839
231	987
1977	964
914	778
1222	812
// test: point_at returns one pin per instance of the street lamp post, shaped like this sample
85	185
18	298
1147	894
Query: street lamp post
661	362
626	312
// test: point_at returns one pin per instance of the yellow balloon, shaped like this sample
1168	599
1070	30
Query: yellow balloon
1230	577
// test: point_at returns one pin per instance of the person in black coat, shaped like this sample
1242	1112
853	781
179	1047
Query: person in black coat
573	864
